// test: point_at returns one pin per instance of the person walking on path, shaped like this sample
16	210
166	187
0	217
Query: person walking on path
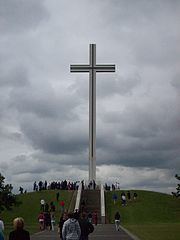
41	221
19	233
71	229
86	227
62	220
90	217
117	220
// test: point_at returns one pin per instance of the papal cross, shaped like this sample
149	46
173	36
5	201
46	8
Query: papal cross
92	68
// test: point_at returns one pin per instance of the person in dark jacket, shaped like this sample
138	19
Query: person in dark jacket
117	221
63	218
19	233
86	227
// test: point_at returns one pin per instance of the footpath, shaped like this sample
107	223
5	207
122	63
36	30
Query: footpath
101	232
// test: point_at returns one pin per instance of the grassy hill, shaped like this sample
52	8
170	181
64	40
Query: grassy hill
152	216
30	208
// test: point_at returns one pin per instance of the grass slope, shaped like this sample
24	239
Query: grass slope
152	216
30	208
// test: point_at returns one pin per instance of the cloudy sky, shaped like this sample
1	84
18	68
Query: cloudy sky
44	107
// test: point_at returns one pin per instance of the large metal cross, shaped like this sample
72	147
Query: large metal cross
92	68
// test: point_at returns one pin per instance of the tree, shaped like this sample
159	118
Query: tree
7	198
177	194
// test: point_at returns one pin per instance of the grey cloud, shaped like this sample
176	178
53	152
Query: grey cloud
176	81
17	77
20	15
149	30
42	101
107	85
117	85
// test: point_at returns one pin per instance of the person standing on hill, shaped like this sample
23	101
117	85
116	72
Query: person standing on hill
57	196
129	195
42	203
71	229
135	196
19	233
117	220
62	203
123	199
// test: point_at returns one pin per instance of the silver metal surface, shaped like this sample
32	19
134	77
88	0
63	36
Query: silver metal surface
92	68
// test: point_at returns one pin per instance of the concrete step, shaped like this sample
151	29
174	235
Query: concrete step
92	202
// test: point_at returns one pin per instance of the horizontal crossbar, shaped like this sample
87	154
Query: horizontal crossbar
88	68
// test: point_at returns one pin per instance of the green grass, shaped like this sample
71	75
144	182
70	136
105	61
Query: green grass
30	208
151	216
160	231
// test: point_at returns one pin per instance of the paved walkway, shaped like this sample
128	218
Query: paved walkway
107	232
101	232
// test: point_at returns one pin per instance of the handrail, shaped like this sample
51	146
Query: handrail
78	198
103	214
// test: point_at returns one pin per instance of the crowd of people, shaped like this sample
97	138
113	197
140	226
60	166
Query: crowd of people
112	187
71	226
55	185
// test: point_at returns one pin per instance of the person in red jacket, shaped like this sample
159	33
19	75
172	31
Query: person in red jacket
41	221
62	203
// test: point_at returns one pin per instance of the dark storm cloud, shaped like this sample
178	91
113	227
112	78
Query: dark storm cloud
54	136
20	15
44	119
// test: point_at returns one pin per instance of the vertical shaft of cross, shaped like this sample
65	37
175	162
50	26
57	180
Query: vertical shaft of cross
92	69
92	113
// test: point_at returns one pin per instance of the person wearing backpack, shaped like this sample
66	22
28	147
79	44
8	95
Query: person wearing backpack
86	227
71	229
